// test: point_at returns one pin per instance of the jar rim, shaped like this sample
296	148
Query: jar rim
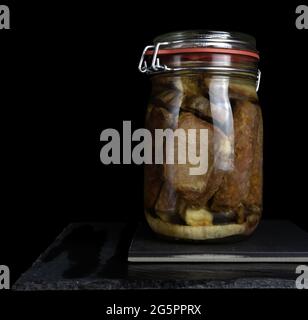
200	44
209	39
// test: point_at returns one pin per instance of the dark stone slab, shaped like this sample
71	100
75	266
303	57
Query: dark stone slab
94	256
272	241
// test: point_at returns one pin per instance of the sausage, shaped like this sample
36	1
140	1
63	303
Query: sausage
254	197
235	185
189	186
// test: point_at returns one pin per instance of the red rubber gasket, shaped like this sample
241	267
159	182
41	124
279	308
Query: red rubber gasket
209	50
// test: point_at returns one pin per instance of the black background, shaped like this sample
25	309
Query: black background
68	71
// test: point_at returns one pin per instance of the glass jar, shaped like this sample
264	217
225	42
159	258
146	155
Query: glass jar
205	80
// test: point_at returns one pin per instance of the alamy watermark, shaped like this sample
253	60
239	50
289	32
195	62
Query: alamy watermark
301	281
301	21
4	17
169	146
4	277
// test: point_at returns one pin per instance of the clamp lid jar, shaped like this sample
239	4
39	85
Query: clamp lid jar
204	80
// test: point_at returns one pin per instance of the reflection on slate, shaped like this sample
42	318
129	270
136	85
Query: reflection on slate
94	256
81	256
273	241
82	246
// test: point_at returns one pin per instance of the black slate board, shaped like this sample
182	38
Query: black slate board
273	241
93	256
